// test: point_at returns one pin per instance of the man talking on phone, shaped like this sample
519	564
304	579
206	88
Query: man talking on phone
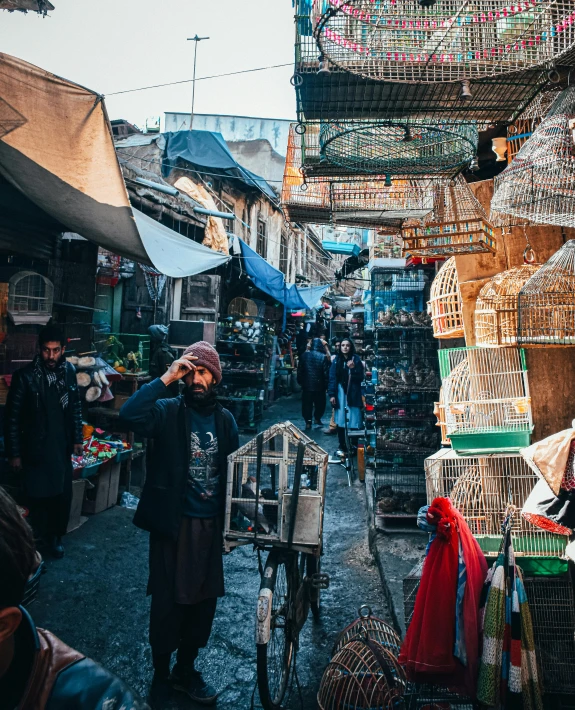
182	506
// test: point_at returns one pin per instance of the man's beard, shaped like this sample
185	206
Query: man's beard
200	398
54	364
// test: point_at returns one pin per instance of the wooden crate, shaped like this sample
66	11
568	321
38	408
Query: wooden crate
105	492
78	491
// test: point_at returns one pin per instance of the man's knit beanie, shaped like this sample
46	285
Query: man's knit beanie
207	357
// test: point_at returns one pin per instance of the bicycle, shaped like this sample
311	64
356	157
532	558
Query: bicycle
280	491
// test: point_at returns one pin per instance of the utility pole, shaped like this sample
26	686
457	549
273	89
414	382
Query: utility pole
195	39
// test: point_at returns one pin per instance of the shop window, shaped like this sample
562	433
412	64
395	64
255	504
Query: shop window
30	298
262	243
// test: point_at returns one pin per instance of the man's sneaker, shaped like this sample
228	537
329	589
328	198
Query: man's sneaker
195	687
308	426
160	691
57	548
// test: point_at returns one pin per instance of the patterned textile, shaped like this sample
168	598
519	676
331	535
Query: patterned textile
55	378
508	677
568	483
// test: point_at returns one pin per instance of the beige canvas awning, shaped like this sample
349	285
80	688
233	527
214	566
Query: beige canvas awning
59	152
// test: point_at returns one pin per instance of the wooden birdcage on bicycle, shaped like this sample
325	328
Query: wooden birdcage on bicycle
482	488
445	305
271	500
457	225
496	308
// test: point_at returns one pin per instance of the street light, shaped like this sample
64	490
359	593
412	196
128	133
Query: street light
195	39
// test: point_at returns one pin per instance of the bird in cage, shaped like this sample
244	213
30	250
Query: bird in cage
249	508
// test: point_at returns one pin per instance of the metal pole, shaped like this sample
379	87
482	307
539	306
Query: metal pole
195	39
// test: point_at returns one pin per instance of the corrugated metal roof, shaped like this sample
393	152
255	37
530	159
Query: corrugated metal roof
136	140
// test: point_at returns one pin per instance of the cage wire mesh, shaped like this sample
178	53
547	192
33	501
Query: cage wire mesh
487	402
449	40
399	148
270	521
368	626
482	488
445	305
457	225
497	307
539	185
519	132
546	303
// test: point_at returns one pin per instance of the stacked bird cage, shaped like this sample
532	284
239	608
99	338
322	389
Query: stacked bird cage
539	184
519	132
496	308
457	225
482	488
546	302
487	402
439	412
445	305
265	484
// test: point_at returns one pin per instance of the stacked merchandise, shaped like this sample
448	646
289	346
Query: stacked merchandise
245	346
404	386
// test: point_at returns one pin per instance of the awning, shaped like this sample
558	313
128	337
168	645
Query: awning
346	248
61	156
270	280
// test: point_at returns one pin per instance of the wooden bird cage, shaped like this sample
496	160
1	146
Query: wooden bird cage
487	401
482	488
539	185
259	495
362	675
457	225
444	41
439	412
243	308
496	308
371	627
445	305
546	302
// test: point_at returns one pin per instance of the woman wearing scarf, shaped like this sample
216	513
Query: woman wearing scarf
344	390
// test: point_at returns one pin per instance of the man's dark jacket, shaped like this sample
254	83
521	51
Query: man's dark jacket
313	368
150	414
352	384
62	678
26	414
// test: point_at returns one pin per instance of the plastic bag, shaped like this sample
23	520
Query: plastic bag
129	501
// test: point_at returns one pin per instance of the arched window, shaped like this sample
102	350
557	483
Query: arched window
30	298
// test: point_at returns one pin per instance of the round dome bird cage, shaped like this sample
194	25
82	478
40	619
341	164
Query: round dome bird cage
546	303
539	185
457	225
395	148
362	675
420	41
372	627
445	305
243	307
496	308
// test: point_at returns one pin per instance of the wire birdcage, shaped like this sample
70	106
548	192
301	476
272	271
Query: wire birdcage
260	491
439	412
539	185
362	675
496	308
243	307
519	132
482	488
437	148
372	627
487	402
546	303
30	298
443	41
457	225
445	305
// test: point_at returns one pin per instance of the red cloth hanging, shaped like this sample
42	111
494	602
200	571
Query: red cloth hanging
427	651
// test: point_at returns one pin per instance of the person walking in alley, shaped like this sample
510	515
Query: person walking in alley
162	355
42	428
332	428
182	506
312	376
37	670
345	378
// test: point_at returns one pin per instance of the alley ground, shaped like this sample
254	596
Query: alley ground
94	599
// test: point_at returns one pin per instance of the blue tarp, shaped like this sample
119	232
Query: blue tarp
272	281
209	152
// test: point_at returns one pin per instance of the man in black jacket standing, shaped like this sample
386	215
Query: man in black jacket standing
43	427
313	377
182	506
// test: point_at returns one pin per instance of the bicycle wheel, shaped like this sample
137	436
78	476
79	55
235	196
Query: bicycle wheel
275	647
313	566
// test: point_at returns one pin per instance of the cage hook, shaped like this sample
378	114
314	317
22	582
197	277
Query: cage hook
296	80
300	128
364	611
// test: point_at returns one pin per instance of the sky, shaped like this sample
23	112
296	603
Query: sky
113	45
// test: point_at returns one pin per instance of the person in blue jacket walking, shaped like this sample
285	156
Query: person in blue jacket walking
345	377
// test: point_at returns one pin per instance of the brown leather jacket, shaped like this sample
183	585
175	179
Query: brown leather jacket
62	677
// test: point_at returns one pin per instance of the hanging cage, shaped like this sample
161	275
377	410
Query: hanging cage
362	675
496	308
457	225
539	185
445	305
519	132
546	303
260	491
30	298
482	488
443	41
243	307
487	402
